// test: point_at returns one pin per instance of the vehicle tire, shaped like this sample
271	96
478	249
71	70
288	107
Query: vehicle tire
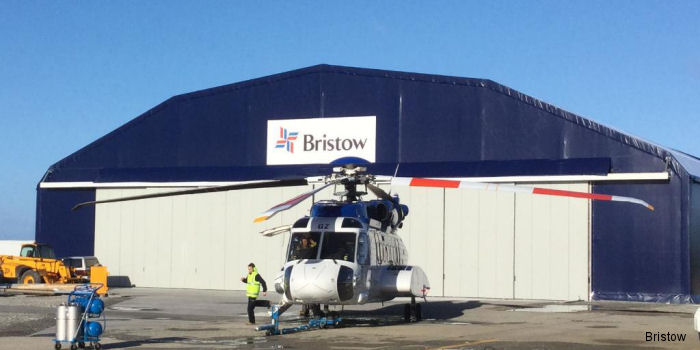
30	277
57	346
407	312
419	312
73	347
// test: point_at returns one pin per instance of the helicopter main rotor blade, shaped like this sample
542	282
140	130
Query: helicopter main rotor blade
420	182
290	203
260	184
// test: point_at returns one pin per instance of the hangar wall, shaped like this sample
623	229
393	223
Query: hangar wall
485	244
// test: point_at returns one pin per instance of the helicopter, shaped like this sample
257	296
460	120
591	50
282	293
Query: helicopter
347	251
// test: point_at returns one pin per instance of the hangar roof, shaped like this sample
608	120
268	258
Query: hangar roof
475	127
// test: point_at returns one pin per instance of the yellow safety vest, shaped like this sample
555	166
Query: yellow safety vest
253	286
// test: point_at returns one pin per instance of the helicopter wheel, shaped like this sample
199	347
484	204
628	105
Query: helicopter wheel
412	312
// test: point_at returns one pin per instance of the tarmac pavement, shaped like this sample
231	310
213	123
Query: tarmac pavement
150	318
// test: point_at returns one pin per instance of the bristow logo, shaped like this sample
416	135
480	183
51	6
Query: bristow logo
287	140
323	144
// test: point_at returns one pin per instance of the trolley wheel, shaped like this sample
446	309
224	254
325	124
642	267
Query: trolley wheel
98	346
73	347
57	346
30	277
81	345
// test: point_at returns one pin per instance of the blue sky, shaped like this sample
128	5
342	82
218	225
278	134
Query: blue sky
72	72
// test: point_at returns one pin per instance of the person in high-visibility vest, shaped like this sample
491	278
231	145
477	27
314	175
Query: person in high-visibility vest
253	282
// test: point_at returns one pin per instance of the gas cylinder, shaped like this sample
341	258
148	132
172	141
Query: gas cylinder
96	306
61	314
72	321
93	329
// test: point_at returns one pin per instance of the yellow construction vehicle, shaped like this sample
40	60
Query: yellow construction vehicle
36	263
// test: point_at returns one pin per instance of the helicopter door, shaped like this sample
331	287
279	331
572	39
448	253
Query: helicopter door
363	248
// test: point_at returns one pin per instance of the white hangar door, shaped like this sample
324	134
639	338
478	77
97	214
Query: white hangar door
200	241
523	246
552	245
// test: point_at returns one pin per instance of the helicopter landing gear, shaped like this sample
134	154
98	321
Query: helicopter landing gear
412	312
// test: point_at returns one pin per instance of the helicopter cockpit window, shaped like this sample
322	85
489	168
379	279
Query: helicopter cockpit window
304	245
339	246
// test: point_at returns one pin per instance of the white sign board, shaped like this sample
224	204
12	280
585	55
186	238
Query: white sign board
320	140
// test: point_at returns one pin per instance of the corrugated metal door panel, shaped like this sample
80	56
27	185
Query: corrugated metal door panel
162	231
551	246
126	236
195	241
180	256
422	232
461	243
478	243
579	246
210	217
107	228
148	239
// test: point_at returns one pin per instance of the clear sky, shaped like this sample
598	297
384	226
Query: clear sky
71	72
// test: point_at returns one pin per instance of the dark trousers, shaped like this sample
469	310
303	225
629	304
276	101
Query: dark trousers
252	303
251	307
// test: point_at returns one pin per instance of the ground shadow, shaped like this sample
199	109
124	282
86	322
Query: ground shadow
439	310
393	314
134	343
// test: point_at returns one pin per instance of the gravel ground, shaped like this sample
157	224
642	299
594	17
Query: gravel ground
23	314
149	318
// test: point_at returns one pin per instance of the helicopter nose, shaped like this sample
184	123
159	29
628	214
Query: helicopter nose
319	281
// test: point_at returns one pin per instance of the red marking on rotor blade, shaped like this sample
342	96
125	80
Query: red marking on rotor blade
434	183
551	192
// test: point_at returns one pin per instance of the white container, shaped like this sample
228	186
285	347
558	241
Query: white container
72	322
61	314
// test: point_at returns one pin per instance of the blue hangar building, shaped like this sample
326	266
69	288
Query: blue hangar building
470	243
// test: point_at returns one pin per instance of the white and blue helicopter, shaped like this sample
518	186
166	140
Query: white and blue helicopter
348	251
